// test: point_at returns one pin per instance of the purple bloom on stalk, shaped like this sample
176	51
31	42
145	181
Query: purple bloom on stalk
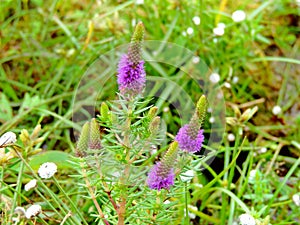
159	180
190	137
131	75
187	142
162	175
131	72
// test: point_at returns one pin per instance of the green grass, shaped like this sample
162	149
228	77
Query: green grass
47	46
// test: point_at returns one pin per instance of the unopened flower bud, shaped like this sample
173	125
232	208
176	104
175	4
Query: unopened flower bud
231	121
201	109
36	131
154	125
25	138
94	139
248	114
82	144
152	112
104	110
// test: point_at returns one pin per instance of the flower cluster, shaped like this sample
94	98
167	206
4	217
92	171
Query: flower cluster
162	175
131	72
190	137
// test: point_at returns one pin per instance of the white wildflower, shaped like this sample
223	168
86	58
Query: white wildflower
8	138
139	2
192	215
199	185
252	176
238	16
246	219
187	175
167	202
212	119
214	78
20	210
133	22
190	31
218	31
235	79
263	150
47	170
221	25
230	137
32	211
276	110
227	85
31	184
196	20
296	199
183	33
196	59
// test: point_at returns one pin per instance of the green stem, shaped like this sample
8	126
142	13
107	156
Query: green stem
187	220
123	180
17	191
70	200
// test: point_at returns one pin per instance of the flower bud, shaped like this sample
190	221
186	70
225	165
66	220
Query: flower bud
104	110
25	138
82	144
94	139
248	114
152	112
154	125
36	131
201	108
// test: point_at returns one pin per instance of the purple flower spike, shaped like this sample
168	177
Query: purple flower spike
159	179
131	76
187	142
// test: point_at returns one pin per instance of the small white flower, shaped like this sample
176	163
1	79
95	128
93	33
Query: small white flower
212	119
196	20
221	25
252	176
298	3
296	199
246	219
192	215
139	2
31	184
166	109
167	202
133	22
183	33
218	31
227	85
214	78
47	170
190	31
196	59
230	137
20	210
8	138
209	109
33	211
187	175
263	150
235	79
276	110
238	16
215	40
199	185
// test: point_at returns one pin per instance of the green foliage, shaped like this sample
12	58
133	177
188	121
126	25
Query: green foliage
47	45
